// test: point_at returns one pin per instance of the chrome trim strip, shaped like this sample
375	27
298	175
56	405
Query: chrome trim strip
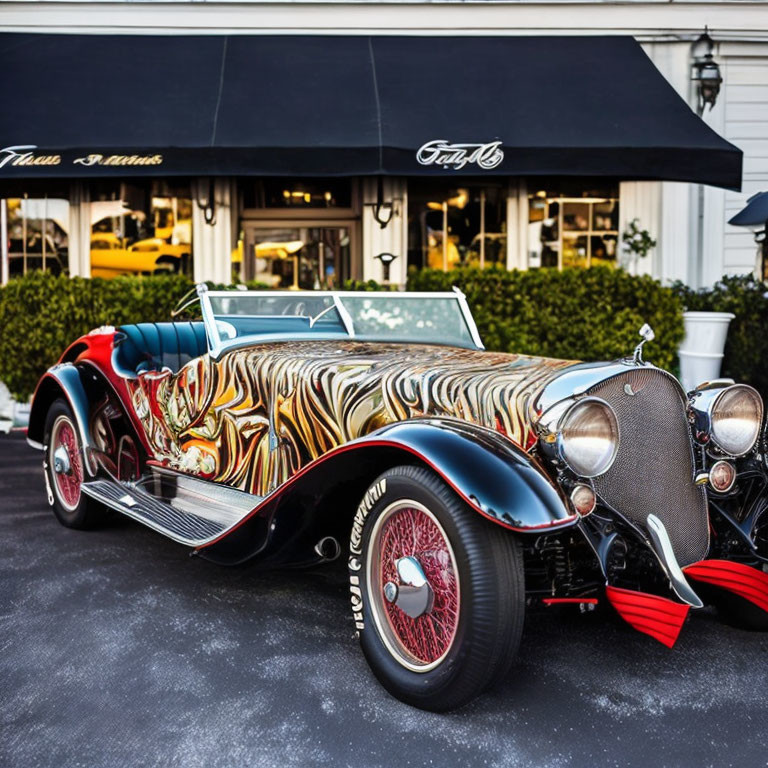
209	320
662	546
346	318
315	294
573	382
468	319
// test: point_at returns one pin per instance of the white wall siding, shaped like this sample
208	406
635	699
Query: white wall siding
643	18
746	125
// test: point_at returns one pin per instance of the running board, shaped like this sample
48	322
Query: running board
185	509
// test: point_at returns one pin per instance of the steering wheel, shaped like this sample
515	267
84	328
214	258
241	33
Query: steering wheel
295	308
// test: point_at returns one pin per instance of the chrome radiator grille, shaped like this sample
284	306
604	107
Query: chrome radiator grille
654	468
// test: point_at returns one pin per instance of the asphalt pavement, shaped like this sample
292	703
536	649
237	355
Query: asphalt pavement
118	649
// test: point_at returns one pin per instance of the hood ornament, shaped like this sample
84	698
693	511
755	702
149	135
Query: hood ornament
648	335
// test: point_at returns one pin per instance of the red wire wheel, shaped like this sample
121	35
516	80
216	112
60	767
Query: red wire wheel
407	528
65	460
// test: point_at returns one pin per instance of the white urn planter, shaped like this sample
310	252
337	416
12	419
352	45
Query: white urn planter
701	353
12	413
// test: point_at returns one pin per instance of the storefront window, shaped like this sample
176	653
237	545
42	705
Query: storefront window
297	193
307	257
38	235
451	226
572	224
141	229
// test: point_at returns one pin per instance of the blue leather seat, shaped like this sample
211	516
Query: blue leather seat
155	346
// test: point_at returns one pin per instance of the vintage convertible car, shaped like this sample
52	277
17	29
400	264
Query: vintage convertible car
463	486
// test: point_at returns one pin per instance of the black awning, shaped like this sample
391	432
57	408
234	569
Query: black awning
137	105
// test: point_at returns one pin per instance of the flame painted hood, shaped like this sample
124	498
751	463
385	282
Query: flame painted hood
258	414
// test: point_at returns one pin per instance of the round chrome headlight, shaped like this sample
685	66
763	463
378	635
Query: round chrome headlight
736	416
588	437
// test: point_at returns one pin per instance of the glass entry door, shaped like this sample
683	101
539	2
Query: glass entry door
295	256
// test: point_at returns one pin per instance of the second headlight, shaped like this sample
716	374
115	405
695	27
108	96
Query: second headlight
588	437
736	416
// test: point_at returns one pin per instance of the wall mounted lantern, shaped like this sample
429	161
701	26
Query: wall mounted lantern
383	210
386	259
705	72
208	205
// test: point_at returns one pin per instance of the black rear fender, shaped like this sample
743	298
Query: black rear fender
85	389
61	381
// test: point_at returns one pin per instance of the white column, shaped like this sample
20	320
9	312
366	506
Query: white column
674	241
675	254
4	266
79	235
640	200
517	224
393	238
691	247
212	242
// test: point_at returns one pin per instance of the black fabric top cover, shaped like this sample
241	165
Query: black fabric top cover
138	105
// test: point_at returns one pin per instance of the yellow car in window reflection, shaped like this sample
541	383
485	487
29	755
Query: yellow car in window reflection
109	258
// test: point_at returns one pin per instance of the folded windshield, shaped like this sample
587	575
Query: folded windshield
237	317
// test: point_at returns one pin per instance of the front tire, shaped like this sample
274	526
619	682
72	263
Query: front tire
438	592
64	471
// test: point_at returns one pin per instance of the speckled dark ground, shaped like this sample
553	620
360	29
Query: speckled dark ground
117	649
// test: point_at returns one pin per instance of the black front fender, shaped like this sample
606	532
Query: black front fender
491	473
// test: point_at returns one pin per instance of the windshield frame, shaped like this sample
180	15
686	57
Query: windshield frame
217	346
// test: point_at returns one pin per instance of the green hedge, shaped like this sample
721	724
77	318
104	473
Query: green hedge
41	315
592	314
575	314
746	348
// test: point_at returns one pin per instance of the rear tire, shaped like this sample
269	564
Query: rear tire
741	613
468	635
63	464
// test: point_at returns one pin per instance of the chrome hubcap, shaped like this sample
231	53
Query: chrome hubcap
414	596
61	465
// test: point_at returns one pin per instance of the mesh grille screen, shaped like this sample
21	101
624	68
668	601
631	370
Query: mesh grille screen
653	471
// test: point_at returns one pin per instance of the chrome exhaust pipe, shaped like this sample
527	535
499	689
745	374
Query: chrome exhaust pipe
328	549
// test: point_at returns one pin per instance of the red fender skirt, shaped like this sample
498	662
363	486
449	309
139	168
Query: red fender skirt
658	617
743	580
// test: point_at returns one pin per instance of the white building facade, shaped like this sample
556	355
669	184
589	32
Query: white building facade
500	223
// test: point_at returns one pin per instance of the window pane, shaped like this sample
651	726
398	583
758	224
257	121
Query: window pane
296	257
575	217
38	235
572	223
373	317
430	320
450	226
141	229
